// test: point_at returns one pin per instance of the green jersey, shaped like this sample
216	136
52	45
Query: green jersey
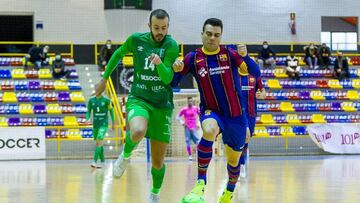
151	82
100	107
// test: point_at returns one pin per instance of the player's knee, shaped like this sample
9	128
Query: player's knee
138	132
98	143
233	161
210	132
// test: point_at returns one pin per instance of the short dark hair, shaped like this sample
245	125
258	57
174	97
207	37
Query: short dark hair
265	42
189	98
214	22
159	14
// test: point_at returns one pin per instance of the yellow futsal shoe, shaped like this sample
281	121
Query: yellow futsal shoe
226	197
196	195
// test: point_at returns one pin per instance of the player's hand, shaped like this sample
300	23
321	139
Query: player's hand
104	63
155	59
100	87
261	94
242	50
178	66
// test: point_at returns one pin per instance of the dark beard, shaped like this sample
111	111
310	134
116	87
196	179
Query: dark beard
154	37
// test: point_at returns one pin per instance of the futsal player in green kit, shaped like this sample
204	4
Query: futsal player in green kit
150	102
100	106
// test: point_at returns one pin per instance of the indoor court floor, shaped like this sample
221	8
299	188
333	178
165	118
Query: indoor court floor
288	179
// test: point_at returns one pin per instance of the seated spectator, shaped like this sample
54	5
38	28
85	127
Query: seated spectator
58	68
37	56
311	59
341	67
264	57
105	55
292	66
324	56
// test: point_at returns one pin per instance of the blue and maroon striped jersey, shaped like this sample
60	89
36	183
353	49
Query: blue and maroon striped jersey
218	79
249	86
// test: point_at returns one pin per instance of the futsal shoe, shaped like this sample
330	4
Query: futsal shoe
93	164
242	171
196	195
120	165
154	198
226	197
101	165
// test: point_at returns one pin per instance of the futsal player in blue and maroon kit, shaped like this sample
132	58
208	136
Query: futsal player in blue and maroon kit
215	69
252	89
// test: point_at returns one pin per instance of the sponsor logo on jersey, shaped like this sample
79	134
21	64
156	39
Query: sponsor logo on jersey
150	78
202	72
223	57
140	48
219	70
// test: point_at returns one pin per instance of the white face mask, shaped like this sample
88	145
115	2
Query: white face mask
45	50
108	46
57	57
265	46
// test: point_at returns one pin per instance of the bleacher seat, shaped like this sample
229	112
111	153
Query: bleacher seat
356	83
36	97
318	118
260	131
18	73
348	107
9	97
286	107
352	95
77	97
40	109
14	121
3	122
61	85
26	109
21	85
317	95
70	121
45	73
267	119
31	74
273	84
5	74
292	119
53	109
334	84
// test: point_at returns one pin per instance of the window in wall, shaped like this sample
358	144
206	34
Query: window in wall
343	41
326	38
128	4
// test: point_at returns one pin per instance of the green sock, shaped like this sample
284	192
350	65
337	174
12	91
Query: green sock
129	145
157	177
97	153
102	157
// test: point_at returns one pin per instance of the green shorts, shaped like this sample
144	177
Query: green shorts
159	120
99	133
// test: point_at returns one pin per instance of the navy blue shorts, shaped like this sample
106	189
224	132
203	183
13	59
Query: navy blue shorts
233	129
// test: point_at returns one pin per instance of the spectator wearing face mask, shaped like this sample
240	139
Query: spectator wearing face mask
311	59
105	54
264	57
324	56
292	66
58	68
37	56
341	67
